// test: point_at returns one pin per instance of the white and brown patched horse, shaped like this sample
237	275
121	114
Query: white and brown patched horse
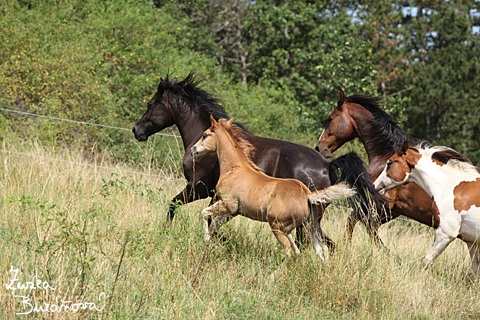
243	189
454	185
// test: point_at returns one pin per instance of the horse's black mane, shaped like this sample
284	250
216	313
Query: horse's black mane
384	136
446	154
194	96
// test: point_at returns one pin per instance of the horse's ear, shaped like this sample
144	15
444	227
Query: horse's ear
174	81
212	120
404	148
229	122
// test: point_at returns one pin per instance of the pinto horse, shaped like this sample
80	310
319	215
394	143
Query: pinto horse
453	183
360	117
243	189
189	107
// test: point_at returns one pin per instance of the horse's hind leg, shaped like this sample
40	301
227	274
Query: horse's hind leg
282	238
474	249
292	243
316	233
351	222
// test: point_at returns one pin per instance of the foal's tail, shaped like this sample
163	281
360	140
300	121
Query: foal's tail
330	194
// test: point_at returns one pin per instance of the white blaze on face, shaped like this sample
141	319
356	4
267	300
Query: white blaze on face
382	180
321	135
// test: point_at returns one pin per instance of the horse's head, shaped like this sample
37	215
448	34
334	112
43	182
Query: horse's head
340	128
208	142
398	168
159	114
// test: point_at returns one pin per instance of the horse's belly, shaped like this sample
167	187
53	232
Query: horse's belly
470	228
253	213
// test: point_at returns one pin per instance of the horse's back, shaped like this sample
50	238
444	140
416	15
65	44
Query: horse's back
283	159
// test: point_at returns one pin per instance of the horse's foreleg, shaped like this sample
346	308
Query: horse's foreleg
180	199
218	222
300	236
219	208
187	195
442	240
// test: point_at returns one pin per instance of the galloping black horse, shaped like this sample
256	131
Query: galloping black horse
189	107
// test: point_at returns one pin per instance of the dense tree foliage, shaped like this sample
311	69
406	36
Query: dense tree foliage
305	48
422	57
277	65
100	62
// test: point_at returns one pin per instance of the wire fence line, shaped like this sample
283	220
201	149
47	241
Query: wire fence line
89	165
89	124
80	122
102	167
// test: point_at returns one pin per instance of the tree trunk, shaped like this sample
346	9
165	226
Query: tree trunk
427	126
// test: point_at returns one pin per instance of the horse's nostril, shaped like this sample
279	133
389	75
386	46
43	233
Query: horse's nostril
317	149
133	130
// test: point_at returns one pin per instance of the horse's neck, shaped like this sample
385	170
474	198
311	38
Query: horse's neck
230	155
191	126
378	151
437	181
376	166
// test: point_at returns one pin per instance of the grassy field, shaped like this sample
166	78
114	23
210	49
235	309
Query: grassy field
98	235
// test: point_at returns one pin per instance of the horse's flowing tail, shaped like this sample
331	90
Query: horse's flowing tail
330	194
350	168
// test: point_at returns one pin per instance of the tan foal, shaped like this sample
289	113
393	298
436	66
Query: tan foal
243	189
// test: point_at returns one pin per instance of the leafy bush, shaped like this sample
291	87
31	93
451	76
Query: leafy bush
100	62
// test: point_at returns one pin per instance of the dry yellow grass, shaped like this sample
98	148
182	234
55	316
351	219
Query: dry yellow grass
87	231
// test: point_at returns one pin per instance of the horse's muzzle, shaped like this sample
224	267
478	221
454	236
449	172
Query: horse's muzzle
194	151
324	152
139	134
380	187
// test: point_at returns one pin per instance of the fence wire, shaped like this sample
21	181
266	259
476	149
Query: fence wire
78	163
80	122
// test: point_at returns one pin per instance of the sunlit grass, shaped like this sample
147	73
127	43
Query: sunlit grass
87	230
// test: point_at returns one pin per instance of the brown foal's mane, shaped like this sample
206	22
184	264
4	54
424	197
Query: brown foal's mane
247	148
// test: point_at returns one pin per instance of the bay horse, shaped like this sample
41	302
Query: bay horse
243	189
189	107
360	116
453	183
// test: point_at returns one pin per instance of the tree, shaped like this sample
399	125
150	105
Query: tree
444	74
305	48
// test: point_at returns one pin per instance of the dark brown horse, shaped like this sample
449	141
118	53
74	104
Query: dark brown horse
361	117
189	107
